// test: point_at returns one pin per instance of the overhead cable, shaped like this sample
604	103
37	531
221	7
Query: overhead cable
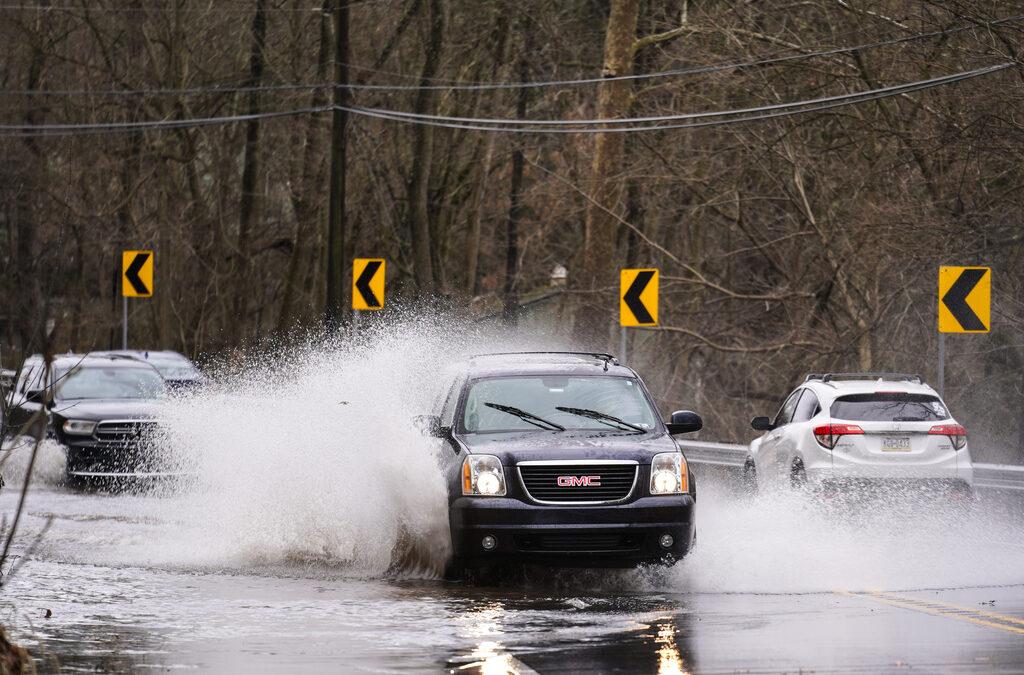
591	126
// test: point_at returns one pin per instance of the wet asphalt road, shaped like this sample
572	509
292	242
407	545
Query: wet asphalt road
111	613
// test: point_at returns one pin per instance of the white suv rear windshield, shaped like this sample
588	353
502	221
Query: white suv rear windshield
889	407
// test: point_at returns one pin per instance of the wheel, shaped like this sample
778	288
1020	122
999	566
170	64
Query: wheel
797	474
749	479
454	569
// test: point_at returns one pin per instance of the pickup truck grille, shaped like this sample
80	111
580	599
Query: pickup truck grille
578	483
127	432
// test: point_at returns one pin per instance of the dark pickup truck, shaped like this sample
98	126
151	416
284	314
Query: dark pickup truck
561	459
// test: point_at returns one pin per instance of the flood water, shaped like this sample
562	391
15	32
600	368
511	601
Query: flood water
312	534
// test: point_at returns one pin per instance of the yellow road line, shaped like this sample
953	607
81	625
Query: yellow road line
1008	618
942	609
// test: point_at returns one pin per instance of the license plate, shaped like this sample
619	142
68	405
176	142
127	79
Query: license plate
896	444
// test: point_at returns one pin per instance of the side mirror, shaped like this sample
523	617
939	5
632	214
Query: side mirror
34	396
684	421
761	424
430	425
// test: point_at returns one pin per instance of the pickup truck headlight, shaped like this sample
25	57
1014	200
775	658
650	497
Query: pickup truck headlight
482	475
668	474
79	427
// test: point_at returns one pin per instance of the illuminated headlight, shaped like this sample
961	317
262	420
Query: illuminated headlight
668	474
79	427
483	475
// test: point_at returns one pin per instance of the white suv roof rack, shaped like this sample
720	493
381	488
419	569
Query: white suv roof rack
897	377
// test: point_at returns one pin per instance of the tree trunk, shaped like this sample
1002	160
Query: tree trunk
418	210
337	219
249	169
595	276
515	202
312	175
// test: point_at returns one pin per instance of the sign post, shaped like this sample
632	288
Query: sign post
965	304
638	301
136	282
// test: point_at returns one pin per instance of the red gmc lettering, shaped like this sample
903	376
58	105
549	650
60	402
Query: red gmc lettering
576	481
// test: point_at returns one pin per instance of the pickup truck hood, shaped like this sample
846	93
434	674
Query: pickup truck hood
512	448
97	410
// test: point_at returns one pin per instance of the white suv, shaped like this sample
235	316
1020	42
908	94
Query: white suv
847	427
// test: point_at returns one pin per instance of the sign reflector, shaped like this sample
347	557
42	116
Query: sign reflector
368	283
638	297
965	299
137	274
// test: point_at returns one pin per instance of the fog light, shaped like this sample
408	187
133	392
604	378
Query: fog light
489	543
666	541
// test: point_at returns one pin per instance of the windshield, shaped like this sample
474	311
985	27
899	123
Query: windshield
894	407
557	402
111	382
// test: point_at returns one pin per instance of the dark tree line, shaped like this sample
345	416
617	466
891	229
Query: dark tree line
797	243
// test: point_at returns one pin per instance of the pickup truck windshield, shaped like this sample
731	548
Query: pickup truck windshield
554	403
111	382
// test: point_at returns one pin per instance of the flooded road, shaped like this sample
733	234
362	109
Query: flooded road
121	600
314	531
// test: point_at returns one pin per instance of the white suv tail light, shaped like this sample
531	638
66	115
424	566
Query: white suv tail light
828	435
956	432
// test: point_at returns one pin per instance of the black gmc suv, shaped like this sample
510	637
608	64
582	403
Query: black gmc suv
560	458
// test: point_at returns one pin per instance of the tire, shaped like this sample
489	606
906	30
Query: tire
798	475
749	479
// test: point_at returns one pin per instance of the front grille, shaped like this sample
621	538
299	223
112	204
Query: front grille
581	483
583	541
125	432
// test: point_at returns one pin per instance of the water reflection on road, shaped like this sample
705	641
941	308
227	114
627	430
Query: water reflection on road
125	598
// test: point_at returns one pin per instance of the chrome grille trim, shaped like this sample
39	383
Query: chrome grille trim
579	462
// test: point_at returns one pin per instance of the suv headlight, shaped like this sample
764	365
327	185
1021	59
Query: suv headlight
482	475
79	427
668	474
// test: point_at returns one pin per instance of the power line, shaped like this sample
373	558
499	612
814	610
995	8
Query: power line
624	124
478	86
220	9
147	125
615	125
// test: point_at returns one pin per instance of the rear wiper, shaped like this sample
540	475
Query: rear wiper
526	416
908	419
600	417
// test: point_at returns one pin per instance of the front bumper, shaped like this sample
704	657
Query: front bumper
621	535
89	458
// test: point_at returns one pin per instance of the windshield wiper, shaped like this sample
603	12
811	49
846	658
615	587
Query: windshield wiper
526	416
600	417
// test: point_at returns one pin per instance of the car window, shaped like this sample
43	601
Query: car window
889	407
111	382
807	408
786	412
450	401
502	404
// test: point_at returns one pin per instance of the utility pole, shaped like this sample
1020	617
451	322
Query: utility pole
336	217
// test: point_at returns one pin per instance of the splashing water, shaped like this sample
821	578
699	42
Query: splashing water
791	542
314	459
310	459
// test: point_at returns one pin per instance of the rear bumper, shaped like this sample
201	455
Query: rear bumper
621	535
837	467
